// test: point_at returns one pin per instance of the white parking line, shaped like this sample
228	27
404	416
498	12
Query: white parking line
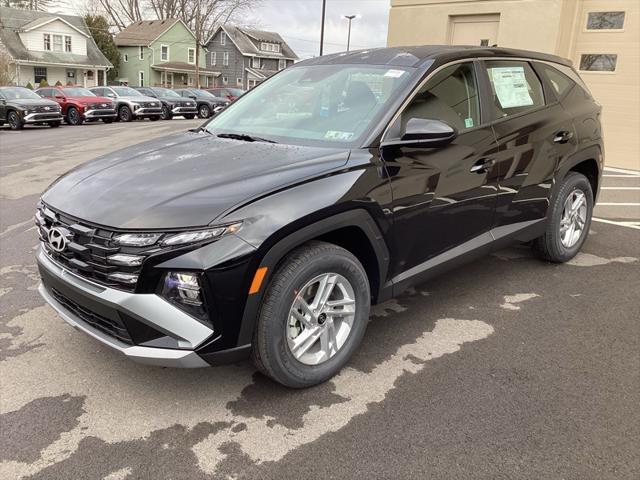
620	176
633	225
619	188
615	204
622	170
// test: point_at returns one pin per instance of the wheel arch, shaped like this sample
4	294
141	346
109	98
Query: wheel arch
588	162
354	230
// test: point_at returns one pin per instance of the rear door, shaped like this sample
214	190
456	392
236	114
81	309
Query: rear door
443	198
533	132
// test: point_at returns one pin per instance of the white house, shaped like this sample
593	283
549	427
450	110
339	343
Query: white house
49	46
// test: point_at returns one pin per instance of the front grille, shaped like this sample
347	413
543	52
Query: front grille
149	104
113	328
98	106
44	109
87	249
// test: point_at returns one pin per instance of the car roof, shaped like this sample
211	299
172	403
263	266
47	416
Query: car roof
417	56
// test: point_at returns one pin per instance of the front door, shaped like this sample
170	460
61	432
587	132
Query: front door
443	198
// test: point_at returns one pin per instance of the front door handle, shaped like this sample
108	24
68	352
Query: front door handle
563	136
482	165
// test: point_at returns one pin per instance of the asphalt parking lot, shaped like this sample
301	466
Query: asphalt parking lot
505	368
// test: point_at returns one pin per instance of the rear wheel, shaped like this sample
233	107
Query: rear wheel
204	111
14	120
124	114
569	220
74	117
313	317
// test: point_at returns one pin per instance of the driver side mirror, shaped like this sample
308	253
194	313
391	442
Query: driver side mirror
59	97
424	132
192	97
111	95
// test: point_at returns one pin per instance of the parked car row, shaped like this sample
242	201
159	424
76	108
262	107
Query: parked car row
75	105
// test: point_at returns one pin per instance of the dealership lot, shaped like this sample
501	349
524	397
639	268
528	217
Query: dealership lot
505	368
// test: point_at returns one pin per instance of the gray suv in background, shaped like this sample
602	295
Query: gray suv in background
131	104
172	103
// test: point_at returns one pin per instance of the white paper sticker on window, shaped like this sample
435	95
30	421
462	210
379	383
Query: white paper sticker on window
394	73
511	87
337	135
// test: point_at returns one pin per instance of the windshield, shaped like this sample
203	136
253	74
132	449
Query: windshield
127	92
18	93
321	105
202	94
165	92
78	92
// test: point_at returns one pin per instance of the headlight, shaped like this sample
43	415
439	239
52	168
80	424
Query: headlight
200	235
137	239
183	289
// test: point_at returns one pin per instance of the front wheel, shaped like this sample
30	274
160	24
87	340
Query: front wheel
204	111
14	120
74	117
166	113
313	317
568	222
124	114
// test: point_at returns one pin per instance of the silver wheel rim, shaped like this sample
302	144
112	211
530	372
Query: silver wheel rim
73	116
321	318
204	112
574	218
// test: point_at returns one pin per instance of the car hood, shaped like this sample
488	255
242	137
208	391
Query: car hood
91	99
177	101
184	180
34	102
138	98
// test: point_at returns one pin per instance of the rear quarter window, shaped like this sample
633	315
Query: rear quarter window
560	83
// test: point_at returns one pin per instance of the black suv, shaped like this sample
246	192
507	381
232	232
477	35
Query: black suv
172	103
20	106
208	104
337	183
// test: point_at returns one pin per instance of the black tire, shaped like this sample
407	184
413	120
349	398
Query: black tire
166	113
14	120
549	246
204	111
189	116
271	353
73	117
55	124
124	114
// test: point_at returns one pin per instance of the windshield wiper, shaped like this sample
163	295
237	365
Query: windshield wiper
245	138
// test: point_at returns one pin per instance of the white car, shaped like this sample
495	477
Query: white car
130	103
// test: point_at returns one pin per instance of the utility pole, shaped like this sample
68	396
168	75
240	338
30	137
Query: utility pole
324	7
349	17
198	32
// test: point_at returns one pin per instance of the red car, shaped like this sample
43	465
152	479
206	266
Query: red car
79	104
223	92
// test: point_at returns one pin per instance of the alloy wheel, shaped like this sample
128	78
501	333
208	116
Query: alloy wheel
574	218
74	116
204	112
14	121
321	318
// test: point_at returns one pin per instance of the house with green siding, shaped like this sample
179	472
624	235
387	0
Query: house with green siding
161	53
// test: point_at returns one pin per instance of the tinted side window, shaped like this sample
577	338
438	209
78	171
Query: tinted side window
561	83
515	87
44	92
98	91
451	96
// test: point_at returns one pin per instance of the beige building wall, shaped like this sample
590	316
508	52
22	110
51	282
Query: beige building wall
552	26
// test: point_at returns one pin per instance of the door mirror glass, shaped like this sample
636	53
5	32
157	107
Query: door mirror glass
111	95
59	97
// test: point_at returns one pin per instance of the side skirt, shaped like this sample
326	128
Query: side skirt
479	246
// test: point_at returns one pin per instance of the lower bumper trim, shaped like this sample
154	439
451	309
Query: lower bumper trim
151	356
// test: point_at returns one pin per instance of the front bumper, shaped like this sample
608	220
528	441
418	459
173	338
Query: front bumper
43	117
147	112
181	332
183	110
102	113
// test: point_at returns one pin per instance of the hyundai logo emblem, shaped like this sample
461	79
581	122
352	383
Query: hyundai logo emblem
58	238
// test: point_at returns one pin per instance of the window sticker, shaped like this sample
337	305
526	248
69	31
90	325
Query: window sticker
468	122
511	87
394	73
338	135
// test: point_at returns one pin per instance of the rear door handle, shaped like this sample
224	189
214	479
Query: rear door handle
563	137
482	165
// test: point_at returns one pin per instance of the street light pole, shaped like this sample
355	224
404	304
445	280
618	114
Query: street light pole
324	7
349	17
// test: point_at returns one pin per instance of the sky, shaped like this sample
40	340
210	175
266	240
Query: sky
298	22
